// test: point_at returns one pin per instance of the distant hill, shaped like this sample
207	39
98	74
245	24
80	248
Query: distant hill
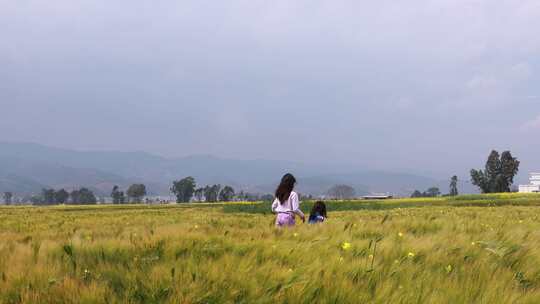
19	185
30	176
28	167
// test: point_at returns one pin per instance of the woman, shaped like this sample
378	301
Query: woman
286	203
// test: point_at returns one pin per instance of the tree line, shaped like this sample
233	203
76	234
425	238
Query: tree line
431	192
186	189
134	194
341	192
497	176
54	197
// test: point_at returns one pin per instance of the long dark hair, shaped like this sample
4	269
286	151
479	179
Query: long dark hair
318	208
285	187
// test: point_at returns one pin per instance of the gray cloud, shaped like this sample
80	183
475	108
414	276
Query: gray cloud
383	84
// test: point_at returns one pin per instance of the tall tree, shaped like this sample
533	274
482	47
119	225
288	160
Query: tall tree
226	194
87	197
114	194
498	174
509	169
61	196
75	197
433	192
83	196
121	197
417	193
479	179
211	193
8	197
199	194
136	192
454	186
341	192
118	196
47	195
184	189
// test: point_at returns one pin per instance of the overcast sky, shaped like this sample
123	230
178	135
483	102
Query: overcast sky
430	86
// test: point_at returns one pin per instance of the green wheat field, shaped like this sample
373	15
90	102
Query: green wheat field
466	249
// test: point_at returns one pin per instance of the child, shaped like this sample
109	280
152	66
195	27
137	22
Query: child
318	213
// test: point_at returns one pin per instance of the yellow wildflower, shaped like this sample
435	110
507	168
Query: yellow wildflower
411	255
295	234
448	268
400	234
346	246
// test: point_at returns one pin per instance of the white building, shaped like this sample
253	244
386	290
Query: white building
534	184
378	196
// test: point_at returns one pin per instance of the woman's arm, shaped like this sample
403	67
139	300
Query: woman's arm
295	206
275	205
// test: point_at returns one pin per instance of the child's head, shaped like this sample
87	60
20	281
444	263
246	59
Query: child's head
319	208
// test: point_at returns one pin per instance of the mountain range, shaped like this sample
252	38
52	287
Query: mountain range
26	168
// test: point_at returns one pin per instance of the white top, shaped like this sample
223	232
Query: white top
292	205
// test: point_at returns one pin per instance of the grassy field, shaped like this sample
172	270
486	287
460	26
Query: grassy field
469	249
